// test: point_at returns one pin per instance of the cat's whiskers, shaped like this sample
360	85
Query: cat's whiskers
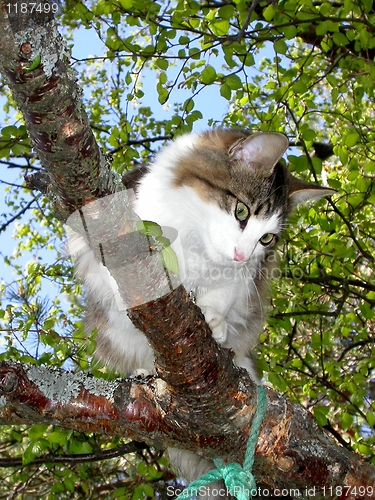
260	301
250	281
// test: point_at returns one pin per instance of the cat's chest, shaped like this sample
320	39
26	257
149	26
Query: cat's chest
202	277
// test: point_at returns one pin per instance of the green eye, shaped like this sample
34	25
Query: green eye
267	239
242	212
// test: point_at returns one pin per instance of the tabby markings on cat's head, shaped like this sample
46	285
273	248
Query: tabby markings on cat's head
227	191
242	200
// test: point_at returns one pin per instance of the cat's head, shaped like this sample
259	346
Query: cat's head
243	193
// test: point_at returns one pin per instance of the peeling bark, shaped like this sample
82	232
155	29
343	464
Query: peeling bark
49	99
292	453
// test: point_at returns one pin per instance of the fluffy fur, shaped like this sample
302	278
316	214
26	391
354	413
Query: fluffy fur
228	197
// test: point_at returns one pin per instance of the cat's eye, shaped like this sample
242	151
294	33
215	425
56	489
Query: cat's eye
267	239
242	212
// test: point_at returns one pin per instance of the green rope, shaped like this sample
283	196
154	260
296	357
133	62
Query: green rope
239	481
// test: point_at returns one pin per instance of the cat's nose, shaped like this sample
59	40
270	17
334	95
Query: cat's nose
239	256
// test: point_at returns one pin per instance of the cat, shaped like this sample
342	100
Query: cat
228	196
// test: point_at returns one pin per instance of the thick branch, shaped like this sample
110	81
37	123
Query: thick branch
292	451
48	97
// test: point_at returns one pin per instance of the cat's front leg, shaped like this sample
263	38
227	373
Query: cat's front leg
216	322
215	304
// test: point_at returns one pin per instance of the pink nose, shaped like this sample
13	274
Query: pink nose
239	256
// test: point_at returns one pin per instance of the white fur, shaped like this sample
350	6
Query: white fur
224	288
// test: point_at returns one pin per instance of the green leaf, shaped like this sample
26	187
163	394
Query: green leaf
347	420
69	484
148	490
280	46
127	4
208	75
120	493
184	40
163	94
370	417
189	105
9	131
308	134
269	12
33	450
163	78
290	32
219	27
226	12
351	139
170	260
320	414
340	39
49	323
58	487
234	82
16	436
325	9
34	63
59	436
321	28
162	64
277	381
300	87
37	430
368	5
365	449
370	166
79	447
225	91
149	228
138	493
142	468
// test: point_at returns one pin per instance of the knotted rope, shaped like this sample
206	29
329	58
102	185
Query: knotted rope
239	481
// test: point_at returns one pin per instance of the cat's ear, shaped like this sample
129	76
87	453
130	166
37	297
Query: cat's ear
259	152
301	191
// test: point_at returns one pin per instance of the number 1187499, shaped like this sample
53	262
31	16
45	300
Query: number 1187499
348	491
32	7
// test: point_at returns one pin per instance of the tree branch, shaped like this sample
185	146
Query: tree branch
292	452
24	209
49	99
132	447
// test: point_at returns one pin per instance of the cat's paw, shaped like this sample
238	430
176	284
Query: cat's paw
216	322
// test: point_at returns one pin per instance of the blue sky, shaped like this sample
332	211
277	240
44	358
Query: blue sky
211	104
86	43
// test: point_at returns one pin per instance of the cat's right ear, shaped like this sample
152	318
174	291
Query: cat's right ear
259	152
301	191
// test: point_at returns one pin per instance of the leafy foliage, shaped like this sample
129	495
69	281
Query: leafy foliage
300	67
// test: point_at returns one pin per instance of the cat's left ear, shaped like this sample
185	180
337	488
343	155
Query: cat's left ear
301	191
259	152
